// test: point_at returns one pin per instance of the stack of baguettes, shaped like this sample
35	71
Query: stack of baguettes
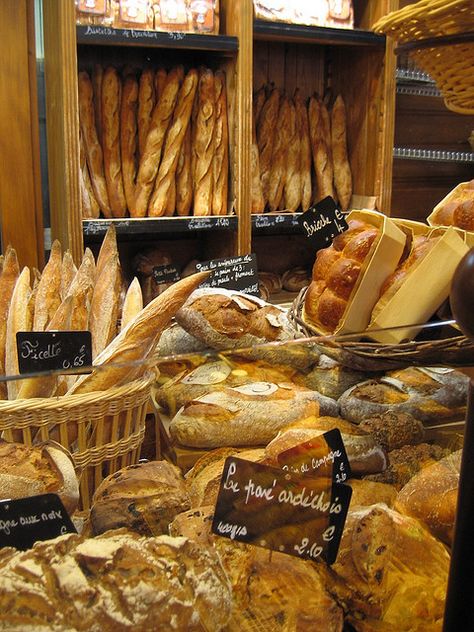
299	152
92	297
153	143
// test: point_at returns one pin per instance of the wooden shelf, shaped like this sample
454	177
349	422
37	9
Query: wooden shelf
110	36
151	226
277	31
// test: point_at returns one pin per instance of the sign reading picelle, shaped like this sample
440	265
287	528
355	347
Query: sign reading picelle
53	350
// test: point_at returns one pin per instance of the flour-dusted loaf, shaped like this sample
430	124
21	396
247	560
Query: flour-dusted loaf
40	469
184	176
431	496
117	581
128	137
132	304
203	144
225	319
146	103
221	147
427	394
293	178
330	378
249	415
321	148
48	296
20	318
266	128
143	498
302	127
342	169
278	168
390	573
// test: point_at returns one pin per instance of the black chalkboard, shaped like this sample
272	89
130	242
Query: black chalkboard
324	455
53	350
232	273
265	506
322	222
28	520
165	274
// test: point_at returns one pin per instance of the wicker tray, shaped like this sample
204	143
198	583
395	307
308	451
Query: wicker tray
103	430
457	351
439	36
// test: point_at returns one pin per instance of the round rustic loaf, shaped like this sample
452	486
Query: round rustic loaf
143	498
116	582
33	470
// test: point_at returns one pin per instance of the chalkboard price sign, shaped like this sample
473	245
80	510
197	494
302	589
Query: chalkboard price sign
53	350
268	507
322	456
165	274
232	273
28	520
322	222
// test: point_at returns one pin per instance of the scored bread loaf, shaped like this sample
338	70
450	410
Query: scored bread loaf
146	103
143	498
132	304
20	318
90	207
48	297
203	144
259	98
266	136
221	147
151	156
302	127
116	581
321	148
336	272
138	339
184	176
104	305
165	179
256	192
111	104
431	496
160	82
249	415
8	279
293	183
128	137
342	169
276	182
97	77
94	155
68	272
40	469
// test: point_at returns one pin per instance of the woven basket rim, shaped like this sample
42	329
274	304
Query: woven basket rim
405	352
79	400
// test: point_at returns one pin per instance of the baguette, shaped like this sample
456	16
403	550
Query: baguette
128	137
171	201
321	153
111	99
104	305
68	272
81	291
97	77
146	103
292	188
257	199
150	159
266	137
305	151
160	82
94	155
48	297
107	250
174	141
19	319
221	148
203	146
184	177
133	303
90	207
45	386
8	279
138	339
342	169
257	104
279	156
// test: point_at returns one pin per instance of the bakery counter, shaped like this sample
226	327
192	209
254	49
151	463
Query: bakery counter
140	227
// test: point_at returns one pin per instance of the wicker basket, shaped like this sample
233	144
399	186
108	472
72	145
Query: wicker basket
103	430
457	351
439	36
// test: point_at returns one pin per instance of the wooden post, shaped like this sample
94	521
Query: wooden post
20	173
62	123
